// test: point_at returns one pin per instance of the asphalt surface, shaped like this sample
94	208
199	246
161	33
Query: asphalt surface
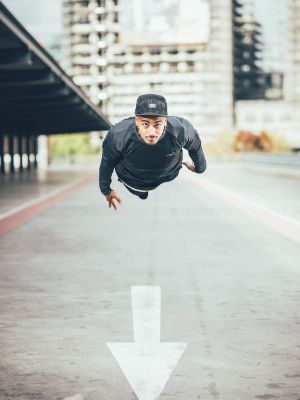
230	289
19	189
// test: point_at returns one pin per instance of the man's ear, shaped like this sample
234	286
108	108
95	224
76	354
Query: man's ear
136	124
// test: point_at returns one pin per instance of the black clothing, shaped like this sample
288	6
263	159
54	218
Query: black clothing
144	166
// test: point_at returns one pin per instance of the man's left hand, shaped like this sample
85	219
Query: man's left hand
189	166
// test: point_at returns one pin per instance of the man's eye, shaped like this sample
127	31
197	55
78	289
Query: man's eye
145	125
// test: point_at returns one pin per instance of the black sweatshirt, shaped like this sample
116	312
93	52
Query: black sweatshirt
144	166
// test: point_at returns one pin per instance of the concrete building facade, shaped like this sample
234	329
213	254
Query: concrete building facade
280	117
292	80
90	27
195	78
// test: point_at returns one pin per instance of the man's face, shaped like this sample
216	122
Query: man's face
150	129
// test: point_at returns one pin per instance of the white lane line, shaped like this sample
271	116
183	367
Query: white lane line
146	302
75	397
146	363
280	223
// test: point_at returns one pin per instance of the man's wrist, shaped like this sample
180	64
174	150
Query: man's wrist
108	192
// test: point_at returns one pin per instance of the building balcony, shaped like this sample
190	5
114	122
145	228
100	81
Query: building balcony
100	61
102	96
89	80
159	78
98	27
113	59
99	10
101	44
83	80
77	59
80	5
83	49
113	23
81	28
80	39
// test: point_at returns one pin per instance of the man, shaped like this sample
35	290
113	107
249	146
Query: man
146	150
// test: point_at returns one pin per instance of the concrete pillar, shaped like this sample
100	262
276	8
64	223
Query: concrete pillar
20	152
42	152
28	152
35	150
11	153
49	152
2	166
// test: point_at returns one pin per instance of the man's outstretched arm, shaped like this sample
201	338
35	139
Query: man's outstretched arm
106	170
193	145
110	158
198	160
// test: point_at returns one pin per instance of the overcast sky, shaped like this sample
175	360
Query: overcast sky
42	18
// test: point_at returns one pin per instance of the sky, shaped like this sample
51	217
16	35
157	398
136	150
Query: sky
43	19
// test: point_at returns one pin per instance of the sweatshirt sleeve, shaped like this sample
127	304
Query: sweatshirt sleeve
110	158
192	143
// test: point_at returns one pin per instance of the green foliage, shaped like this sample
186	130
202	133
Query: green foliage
70	144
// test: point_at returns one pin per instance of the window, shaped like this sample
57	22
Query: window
138	68
245	68
155	51
154	67
173	67
116	37
190	66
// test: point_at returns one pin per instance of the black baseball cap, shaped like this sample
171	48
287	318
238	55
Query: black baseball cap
151	105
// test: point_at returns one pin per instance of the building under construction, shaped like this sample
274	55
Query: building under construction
251	82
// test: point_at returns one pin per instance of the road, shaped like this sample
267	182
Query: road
230	288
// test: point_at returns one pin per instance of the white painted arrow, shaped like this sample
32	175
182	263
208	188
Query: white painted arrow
147	363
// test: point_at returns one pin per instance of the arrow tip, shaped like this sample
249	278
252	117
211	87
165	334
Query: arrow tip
147	366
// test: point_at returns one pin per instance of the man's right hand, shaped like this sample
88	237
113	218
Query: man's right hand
112	197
